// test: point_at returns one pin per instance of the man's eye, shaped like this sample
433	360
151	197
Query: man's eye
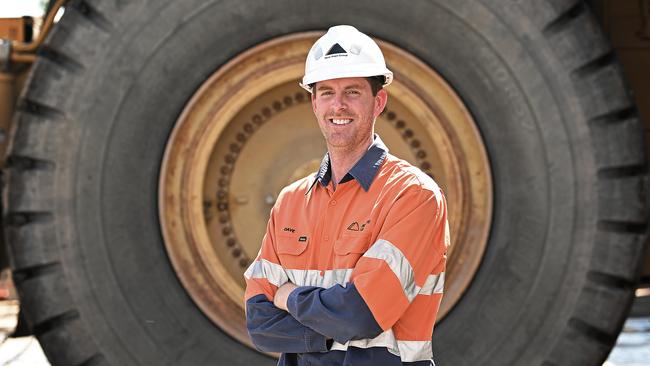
353	92
326	93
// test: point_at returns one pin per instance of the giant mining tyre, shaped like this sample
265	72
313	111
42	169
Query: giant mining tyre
567	216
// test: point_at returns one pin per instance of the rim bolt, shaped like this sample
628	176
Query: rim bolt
231	242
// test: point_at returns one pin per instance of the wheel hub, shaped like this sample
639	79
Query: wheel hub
249	131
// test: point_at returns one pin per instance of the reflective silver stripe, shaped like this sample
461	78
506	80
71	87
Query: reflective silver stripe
313	277
385	339
386	251
410	351
273	272
407	351
278	276
433	285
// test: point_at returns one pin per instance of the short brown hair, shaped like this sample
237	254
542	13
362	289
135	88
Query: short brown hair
376	84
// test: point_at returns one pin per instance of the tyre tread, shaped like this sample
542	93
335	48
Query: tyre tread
592	332
91	13
623	171
23	163
620	115
609	280
25	273
34	108
60	59
20	218
29	244
621	178
623	227
54	322
68	340
564	19
30	216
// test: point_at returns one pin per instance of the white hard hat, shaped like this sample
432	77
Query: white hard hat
344	52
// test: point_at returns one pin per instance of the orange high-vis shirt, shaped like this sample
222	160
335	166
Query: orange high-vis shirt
382	234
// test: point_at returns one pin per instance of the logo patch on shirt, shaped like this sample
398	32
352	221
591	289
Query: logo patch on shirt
302	239
355	226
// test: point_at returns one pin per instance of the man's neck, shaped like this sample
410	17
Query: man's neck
341	161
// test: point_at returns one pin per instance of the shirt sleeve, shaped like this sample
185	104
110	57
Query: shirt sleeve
337	312
272	329
407	259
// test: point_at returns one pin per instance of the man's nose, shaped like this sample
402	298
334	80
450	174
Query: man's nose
339	102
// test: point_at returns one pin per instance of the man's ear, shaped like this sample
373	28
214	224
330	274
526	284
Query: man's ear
380	102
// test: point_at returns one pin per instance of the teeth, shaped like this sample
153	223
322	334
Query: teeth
341	121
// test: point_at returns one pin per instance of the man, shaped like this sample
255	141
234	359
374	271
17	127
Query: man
351	267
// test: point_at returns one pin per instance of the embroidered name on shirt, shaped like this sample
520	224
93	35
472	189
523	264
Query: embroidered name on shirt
289	229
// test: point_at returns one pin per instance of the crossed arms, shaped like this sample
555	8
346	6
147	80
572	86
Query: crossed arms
283	317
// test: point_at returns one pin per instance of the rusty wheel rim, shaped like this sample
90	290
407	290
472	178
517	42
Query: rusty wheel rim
249	130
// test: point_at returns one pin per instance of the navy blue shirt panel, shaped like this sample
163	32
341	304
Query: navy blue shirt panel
274	330
337	312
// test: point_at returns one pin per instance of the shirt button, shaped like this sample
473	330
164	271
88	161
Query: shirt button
326	238
333	202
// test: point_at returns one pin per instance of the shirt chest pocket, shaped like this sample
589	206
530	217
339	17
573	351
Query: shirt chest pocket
291	244
352	245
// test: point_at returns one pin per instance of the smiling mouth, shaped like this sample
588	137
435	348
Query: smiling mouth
340	121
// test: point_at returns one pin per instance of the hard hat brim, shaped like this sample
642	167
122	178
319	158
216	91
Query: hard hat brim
359	70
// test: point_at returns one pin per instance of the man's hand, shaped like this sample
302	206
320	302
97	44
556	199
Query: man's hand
281	296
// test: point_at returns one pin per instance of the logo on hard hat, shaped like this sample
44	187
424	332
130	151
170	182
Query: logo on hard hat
336	51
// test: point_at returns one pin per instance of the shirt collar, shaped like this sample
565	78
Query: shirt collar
364	171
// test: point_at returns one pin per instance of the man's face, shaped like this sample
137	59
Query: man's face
346	110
